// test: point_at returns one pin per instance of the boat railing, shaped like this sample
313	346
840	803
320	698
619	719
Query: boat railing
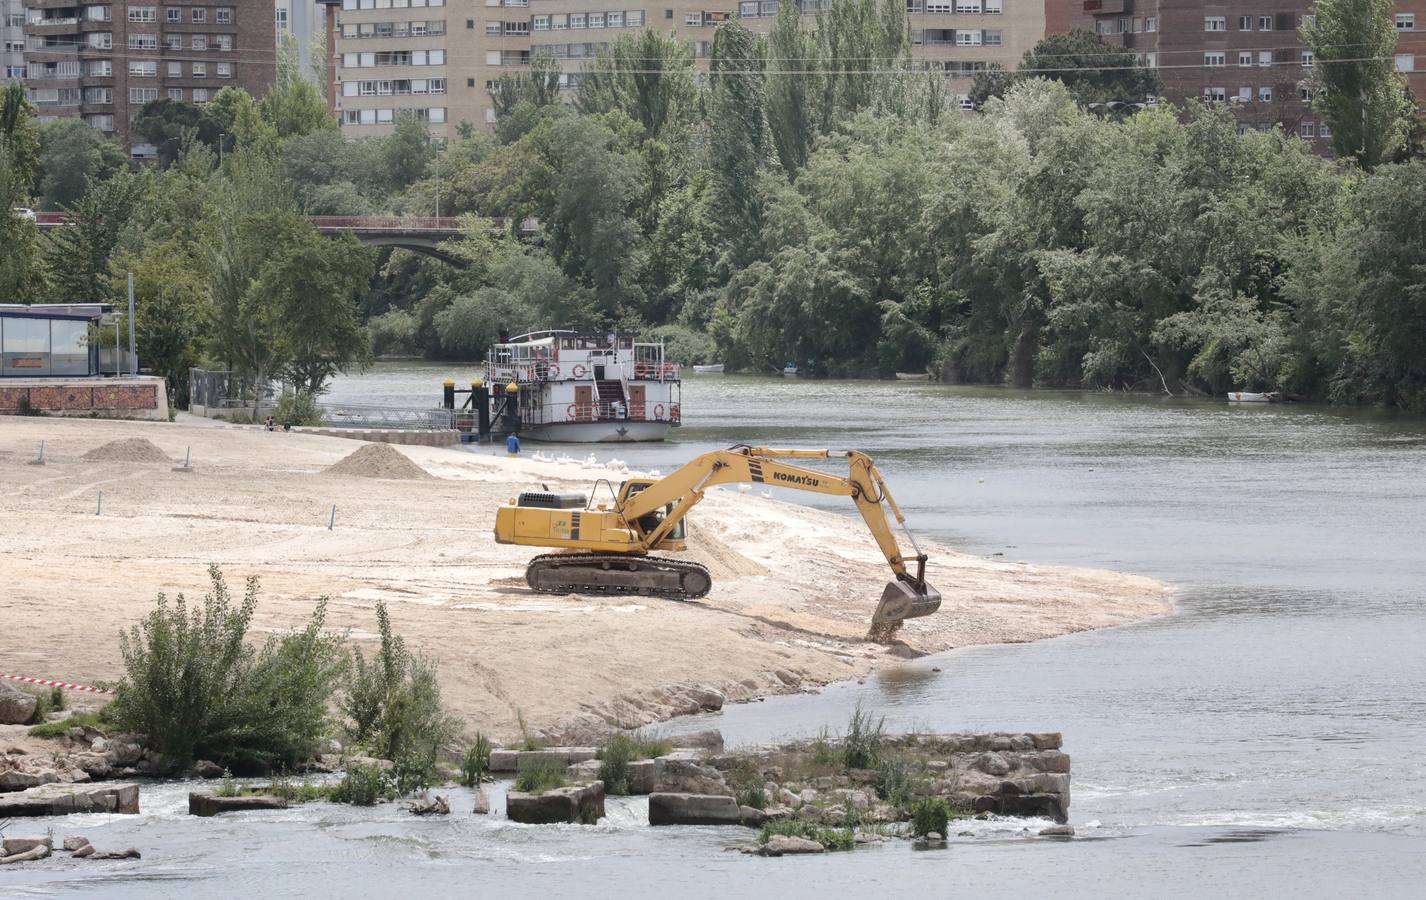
553	370
601	411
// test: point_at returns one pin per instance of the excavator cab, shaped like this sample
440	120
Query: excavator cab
646	523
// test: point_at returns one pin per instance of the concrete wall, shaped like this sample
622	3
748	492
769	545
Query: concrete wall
138	397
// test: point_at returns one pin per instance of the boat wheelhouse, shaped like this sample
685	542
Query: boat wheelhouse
581	387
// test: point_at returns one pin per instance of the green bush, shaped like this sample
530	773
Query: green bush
748	785
364	785
303	792
540	774
57	698
861	745
900	779
928	815
198	690
228	787
527	740
394	703
298	408
476	763
43	706
614	759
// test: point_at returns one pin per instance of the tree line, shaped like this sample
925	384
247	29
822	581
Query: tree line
814	197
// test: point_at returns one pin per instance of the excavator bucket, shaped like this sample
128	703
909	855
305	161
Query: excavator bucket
901	600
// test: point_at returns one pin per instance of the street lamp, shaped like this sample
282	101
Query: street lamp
221	136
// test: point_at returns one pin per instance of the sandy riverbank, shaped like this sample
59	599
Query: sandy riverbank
794	587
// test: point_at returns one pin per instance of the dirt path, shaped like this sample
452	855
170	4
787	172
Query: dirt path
794	587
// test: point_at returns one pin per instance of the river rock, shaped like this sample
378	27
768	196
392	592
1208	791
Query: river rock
11	846
74	842
710	739
514	760
17	707
38	852
482	803
130	853
19	781
83	851
789	799
693	809
581	804
674	775
205	769
586	771
64	799
1058	831
208	805
1049	740
96	764
428	805
993	764
751	816
786	844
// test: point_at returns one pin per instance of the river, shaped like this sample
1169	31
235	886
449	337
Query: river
1266	739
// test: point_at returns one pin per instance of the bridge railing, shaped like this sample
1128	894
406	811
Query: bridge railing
351	415
389	223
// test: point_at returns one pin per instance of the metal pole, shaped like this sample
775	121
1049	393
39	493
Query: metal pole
99	506
438	189
333	520
221	140
133	347
117	351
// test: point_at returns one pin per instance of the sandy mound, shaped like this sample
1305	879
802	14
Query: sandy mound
139	450
722	560
378	461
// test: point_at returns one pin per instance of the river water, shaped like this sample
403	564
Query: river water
1266	739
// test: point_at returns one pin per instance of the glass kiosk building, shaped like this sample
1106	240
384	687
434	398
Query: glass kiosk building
45	341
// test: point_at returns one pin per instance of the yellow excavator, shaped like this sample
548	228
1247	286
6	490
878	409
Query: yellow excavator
611	541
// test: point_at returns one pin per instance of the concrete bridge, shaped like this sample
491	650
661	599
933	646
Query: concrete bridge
423	234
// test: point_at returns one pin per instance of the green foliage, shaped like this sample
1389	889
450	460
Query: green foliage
1358	91
1092	70
57	698
295	792
61	728
228	786
298	408
748	785
862	742
830	838
615	756
198	690
364	784
475	765
528	741
540	774
71	156
930	815
293	105
393	705
44	705
173	126
649	77
901	778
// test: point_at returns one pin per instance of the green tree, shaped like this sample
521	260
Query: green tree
648	77
739	138
406	151
293	105
171	304
71	155
80	251
792	53
1359	92
19	144
1092	70
172	126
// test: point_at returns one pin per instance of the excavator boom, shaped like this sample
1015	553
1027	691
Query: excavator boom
648	515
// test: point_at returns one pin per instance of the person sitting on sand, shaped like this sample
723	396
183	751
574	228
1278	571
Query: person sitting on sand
271	424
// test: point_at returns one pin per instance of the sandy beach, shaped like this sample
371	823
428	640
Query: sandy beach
794	588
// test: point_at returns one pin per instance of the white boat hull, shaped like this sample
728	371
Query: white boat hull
596	432
709	370
1248	397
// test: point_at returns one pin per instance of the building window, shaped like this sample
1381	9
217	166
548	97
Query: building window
200	14
1245	94
1213	59
225	70
1151	23
1215	23
139	96
174	14
175	70
1265	23
967	6
541	23
693	18
992	38
1307	59
143	42
200	70
634	18
199	42
1324	130
576	20
175	94
1265	94
200	96
173	41
1406	21
223	41
1215	94
1245	58
143	14
615	20
1245	23
493	29
1406	62
1265	57
993	7
1308	129
225	16
143	68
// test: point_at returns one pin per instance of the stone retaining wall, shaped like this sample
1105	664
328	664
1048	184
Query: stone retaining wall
136	397
389	436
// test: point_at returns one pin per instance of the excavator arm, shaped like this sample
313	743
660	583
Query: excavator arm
909	596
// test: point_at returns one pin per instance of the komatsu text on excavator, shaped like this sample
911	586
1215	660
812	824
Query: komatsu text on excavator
613	539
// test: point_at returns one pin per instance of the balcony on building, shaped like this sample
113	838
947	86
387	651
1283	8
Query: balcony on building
1108	7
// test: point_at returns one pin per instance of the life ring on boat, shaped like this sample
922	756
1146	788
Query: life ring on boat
572	412
579	370
640	370
553	371
658	411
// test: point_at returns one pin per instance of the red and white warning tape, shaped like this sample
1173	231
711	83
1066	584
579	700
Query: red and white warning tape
61	684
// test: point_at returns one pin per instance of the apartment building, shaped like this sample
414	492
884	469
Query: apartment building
103	62
388	53
1411	46
12	40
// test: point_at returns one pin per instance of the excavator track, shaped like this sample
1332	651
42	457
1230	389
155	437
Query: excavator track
617	573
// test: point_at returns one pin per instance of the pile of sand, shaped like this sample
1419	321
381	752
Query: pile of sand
378	461
136	450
